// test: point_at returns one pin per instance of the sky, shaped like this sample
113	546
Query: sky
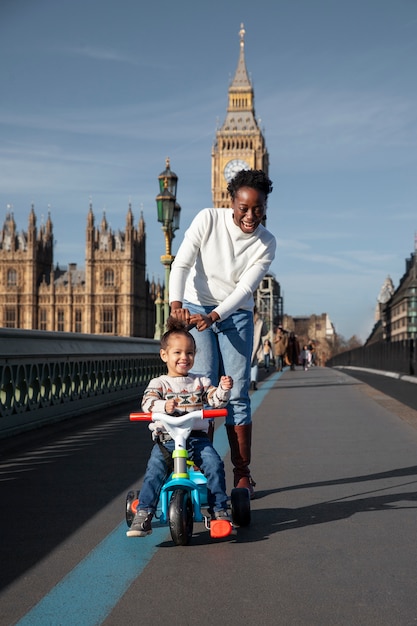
95	94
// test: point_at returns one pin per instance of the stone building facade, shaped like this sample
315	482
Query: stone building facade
398	312
111	296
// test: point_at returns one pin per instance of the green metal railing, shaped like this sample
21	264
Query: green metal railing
46	377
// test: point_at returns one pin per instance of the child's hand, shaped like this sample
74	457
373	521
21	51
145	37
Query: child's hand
226	382
170	406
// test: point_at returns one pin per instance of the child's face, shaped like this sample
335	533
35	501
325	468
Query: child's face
179	355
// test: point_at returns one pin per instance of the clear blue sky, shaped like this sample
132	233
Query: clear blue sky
95	94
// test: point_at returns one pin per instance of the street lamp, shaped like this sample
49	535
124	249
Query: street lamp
168	212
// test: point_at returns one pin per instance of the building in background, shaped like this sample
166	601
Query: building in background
399	310
240	144
316	330
111	296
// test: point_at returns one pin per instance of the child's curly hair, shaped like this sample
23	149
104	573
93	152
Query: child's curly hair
175	327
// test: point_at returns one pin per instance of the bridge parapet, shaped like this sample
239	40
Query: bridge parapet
50	376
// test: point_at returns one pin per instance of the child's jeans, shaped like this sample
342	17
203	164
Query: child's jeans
203	455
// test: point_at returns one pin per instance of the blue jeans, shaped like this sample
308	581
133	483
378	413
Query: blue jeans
202	453
226	348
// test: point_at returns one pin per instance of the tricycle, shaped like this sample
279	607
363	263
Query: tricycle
184	494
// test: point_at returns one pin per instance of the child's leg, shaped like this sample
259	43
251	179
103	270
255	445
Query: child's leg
207	459
155	476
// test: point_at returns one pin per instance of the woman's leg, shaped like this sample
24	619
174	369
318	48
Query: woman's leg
235	337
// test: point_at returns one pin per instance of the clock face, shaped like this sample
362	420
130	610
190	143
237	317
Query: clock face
233	167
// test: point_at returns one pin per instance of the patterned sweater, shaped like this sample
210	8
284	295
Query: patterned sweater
191	393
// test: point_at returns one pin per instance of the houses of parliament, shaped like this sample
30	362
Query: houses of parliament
112	294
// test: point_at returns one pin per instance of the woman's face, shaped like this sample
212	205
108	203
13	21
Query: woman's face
248	209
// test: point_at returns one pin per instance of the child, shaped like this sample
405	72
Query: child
177	393
267	353
305	357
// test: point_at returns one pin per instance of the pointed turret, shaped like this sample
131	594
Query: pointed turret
241	95
241	79
141	227
239	142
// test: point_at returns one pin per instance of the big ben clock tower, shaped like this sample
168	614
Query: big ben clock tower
239	143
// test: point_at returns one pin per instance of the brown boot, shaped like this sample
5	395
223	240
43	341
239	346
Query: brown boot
240	439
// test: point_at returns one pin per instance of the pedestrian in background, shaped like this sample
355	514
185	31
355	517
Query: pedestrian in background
280	347
293	351
267	354
305	356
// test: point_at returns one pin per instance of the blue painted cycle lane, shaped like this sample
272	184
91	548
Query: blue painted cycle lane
87	594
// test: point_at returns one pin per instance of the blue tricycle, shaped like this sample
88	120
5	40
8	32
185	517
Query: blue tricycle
184	494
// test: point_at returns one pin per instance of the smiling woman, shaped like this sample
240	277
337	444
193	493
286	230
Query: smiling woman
221	261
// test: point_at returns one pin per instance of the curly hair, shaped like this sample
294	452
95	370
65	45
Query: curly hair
257	179
175	327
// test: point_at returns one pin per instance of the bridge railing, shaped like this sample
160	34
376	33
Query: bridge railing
395	356
49	376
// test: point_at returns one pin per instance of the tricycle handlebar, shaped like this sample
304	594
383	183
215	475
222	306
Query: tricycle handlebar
202	414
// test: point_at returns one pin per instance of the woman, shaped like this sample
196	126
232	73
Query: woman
220	263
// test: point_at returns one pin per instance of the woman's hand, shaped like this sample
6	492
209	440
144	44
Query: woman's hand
180	314
201	322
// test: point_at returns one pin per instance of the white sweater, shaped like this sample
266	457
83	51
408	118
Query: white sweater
218	265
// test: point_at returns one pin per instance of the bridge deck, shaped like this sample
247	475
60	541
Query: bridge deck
332	539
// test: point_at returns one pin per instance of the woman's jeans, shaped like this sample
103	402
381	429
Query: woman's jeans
202	453
226	349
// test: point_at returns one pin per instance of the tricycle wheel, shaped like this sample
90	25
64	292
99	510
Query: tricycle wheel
132	501
181	517
240	505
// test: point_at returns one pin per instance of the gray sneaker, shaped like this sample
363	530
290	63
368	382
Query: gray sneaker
222	515
141	524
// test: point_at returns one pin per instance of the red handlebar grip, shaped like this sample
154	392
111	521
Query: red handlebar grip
207	413
140	417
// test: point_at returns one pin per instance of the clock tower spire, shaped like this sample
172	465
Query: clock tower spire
239	143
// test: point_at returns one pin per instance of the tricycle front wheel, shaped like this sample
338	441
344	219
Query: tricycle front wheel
181	517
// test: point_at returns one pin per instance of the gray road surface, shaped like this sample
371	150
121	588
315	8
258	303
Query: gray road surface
332	539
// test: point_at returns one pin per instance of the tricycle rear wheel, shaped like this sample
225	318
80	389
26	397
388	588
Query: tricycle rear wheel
181	517
240	505
132	501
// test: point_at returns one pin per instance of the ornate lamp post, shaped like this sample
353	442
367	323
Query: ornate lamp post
168	211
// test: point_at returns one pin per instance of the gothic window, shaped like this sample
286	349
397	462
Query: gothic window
10	318
61	320
107	323
78	321
11	278
108	278
43	320
104	242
